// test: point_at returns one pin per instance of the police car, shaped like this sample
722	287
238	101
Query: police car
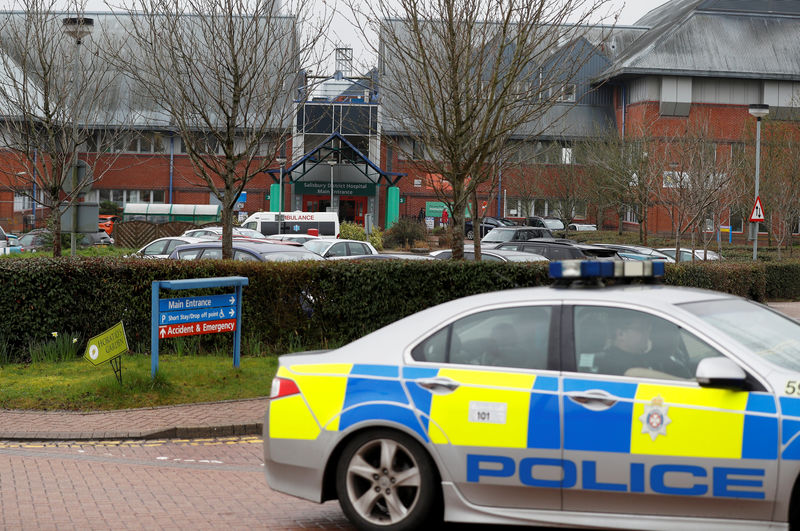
634	406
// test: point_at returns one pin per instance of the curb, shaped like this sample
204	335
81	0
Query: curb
178	432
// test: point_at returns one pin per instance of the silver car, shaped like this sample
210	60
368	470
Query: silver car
635	406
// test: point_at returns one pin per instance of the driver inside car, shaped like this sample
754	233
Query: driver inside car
634	349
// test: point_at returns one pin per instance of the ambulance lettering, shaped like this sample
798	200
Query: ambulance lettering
720	482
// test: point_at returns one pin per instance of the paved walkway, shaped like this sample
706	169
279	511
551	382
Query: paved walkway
217	419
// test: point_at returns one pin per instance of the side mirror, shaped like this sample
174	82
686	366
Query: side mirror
720	372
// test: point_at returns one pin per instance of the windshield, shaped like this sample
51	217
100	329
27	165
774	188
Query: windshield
766	333
498	235
555	224
316	246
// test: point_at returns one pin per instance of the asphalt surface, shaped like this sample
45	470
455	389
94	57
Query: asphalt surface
216	419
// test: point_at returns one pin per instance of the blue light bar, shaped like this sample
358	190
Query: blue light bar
586	269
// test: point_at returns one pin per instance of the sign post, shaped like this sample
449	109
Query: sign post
188	316
108	346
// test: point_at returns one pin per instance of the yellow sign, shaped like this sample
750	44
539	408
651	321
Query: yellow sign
110	344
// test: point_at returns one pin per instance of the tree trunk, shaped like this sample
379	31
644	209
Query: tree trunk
476	227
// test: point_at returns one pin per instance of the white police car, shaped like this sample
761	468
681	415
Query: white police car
635	406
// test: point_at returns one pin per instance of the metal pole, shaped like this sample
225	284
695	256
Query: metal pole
33	203
73	237
280	199
758	168
332	188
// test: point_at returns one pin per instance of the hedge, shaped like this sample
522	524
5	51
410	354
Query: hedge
308	304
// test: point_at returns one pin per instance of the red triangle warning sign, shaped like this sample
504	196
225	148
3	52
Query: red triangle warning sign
758	211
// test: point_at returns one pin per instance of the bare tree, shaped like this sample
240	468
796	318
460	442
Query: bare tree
459	77
696	177
779	186
224	73
626	172
51	96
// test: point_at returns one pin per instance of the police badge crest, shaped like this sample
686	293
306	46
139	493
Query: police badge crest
654	419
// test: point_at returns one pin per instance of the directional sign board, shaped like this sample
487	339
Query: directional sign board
758	211
188	316
209	312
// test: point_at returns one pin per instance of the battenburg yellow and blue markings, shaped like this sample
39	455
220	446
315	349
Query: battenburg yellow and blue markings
733	424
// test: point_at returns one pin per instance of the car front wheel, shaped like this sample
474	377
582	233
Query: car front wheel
386	481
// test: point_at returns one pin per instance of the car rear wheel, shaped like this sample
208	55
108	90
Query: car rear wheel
386	481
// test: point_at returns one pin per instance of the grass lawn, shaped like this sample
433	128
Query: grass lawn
79	386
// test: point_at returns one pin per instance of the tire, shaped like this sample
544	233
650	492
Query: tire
398	467
470	234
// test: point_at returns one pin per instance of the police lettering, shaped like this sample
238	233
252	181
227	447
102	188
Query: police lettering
673	479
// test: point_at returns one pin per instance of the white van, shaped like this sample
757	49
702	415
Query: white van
327	223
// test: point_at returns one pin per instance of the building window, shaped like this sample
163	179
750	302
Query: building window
22	202
629	215
567	93
675	179
566	155
737	222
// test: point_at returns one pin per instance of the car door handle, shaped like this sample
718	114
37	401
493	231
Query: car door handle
594	399
441	385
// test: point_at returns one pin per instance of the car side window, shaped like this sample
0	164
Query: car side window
189	254
337	249
211	254
155	248
623	342
508	337
171	244
357	249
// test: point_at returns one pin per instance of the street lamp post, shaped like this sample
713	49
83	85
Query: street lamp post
281	161
332	163
77	28
759	110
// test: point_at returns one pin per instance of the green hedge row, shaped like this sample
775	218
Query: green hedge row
310	305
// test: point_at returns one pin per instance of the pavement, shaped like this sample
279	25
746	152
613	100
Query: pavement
189	421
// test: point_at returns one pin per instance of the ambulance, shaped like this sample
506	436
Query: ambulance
324	224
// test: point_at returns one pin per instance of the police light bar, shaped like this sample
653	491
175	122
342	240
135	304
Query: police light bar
567	269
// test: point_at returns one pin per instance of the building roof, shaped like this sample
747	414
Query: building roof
716	38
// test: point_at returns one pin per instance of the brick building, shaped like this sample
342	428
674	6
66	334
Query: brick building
687	61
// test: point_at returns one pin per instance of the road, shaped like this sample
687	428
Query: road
172	484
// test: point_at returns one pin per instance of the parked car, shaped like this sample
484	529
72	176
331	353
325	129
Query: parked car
491	255
581	227
298	238
35	240
215	233
562	250
246	251
96	239
163	247
548	223
383	256
41	239
328	248
3	238
487	224
106	222
514	234
646	252
686	254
